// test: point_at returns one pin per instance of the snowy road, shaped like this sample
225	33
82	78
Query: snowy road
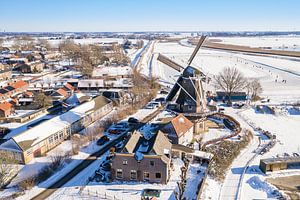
231	184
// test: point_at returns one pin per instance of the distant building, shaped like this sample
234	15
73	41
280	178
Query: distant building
6	109
5	73
235	96
12	89
144	159
97	84
112	71
30	67
38	140
59	95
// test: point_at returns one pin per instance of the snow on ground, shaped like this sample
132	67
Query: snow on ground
128	190
285	127
195	174
119	190
212	189
211	62
275	42
215	133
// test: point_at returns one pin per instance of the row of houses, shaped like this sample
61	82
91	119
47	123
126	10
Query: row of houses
43	137
12	88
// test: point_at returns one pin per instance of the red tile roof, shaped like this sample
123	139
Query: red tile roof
29	93
181	124
6	106
62	92
19	84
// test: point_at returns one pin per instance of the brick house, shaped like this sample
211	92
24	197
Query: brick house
144	159
59	94
6	109
179	130
20	86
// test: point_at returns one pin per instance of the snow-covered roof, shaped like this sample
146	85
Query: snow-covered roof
44	130
91	83
202	154
112	71
99	83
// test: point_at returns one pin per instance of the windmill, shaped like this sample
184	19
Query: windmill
188	88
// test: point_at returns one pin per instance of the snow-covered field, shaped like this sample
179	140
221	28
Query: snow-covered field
275	42
269	70
215	133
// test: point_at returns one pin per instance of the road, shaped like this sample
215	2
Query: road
85	163
231	184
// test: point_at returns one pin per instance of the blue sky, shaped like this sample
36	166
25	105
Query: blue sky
149	15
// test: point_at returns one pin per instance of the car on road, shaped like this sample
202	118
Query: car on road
102	140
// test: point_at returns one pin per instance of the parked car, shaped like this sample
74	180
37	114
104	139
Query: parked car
156	104
133	120
221	110
114	130
149	106
161	100
150	194
105	166
102	140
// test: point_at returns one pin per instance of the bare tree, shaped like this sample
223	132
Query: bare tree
44	43
23	43
255	89
1	42
7	165
230	80
70	50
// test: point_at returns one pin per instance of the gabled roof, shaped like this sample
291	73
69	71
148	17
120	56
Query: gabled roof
9	88
28	93
44	130
68	87
180	125
19	84
131	144
61	92
155	145
6	106
161	143
3	91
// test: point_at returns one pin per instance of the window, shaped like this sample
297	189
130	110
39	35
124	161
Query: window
61	135
125	162
56	136
146	176
133	175
119	174
158	175
29	152
51	139
151	162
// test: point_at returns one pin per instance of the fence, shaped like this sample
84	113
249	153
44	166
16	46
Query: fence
90	194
